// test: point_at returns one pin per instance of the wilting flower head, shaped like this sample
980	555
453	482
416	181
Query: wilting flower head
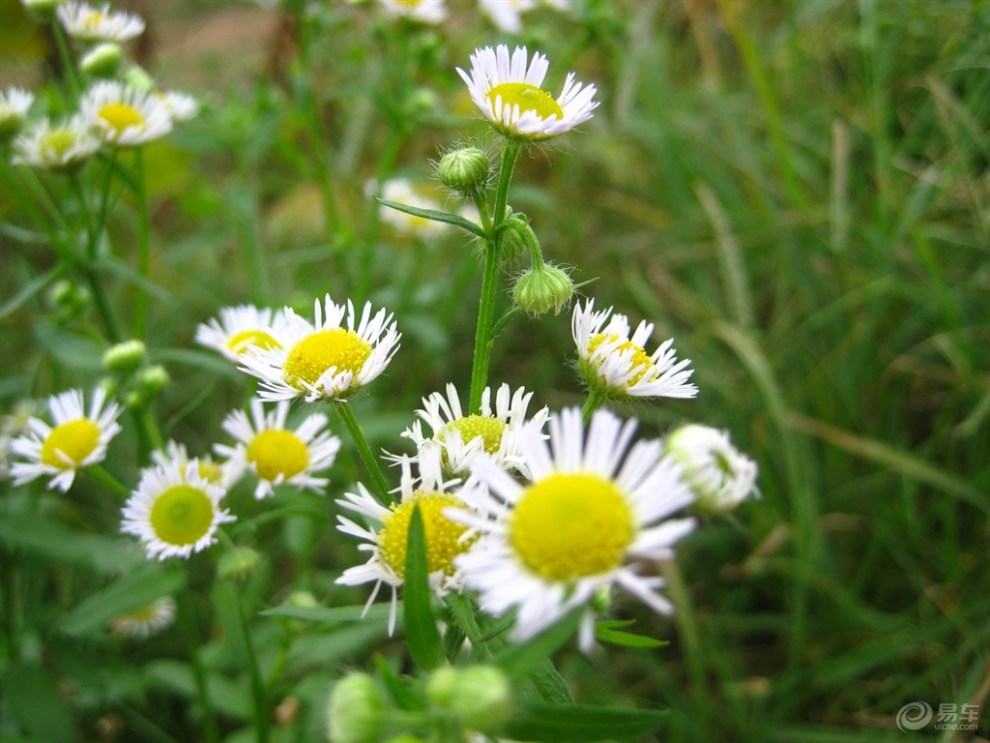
14	105
56	147
507	91
277	454
238	329
174	511
87	23
609	357
430	12
124	116
387	540
719	475
329	359
590	509
77	440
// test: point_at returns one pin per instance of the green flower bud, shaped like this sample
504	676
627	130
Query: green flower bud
356	711
465	171
67	299
238	564
43	8
109	385
542	289
136	77
516	238
151	381
478	697
103	60
124	358
719	475
440	688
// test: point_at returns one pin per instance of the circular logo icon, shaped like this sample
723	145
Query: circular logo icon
914	716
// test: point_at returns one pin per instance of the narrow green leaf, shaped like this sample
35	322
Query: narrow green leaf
425	644
336	615
400	692
575	722
608	631
30	289
519	661
136	589
434	215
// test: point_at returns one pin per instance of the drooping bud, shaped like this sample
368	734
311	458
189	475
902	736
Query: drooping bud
103	60
238	564
355	712
720	477
465	171
124	358
516	238
544	288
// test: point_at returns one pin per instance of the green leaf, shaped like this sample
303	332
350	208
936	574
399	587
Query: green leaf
519	661
70	349
33	702
400	692
608	631
336	615
425	644
136	589
434	215
30	289
575	722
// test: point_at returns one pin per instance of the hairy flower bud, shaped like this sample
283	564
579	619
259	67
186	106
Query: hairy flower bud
152	381
465	171
544	288
516	238
355	712
103	60
124	358
478	697
238	564
719	475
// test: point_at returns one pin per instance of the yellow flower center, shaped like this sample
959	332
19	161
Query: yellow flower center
76	440
58	142
142	614
640	358
471	426
210	471
182	515
410	3
442	534
528	98
91	21
572	525
121	116
241	342
342	349
278	452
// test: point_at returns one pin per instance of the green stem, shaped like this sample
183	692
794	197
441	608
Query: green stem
65	55
99	473
364	451
210	725
596	398
687	627
261	726
102	305
144	247
510	156
101	223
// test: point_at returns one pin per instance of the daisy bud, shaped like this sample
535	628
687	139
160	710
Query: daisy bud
355	713
720	477
542	289
516	238
124	358
103	60
136	77
151	381
67	299
238	564
479	697
465	171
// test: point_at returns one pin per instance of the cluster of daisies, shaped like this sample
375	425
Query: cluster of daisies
116	109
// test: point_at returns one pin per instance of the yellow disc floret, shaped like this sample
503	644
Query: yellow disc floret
442	535
341	349
241	342
528	98
639	359
571	525
182	515
210	471
472	426
76	440
58	142
278	452
91	21
120	116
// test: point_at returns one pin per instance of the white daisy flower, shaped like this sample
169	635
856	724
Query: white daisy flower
174	512
506	14
14	105
276	454
87	23
431	12
77	440
56	147
401	190
238	329
214	472
507	91
124	116
145	620
719	475
328	359
445	539
494	431
610	357
590	506
181	106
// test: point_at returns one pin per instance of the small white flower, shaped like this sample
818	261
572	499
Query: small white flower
506	14
276	454
609	356
719	475
507	91
174	512
401	190
145	620
431	12
77	440
238	329
591	509
181	106
123	115
493	430
87	23
14	105
329	359
56	147
387	540
219	474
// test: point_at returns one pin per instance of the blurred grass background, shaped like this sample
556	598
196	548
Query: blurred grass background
798	192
